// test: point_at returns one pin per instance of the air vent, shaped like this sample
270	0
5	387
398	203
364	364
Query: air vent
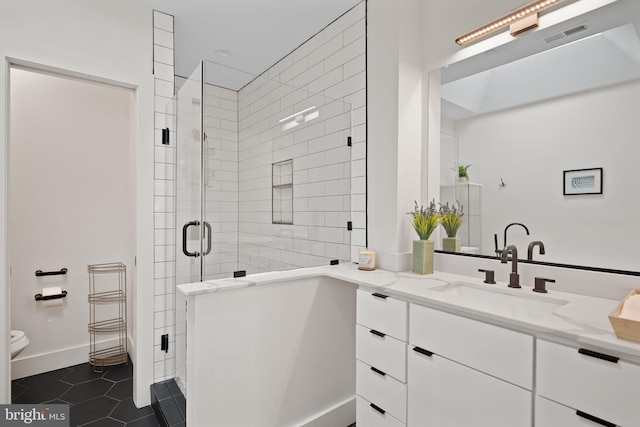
554	37
576	29
566	33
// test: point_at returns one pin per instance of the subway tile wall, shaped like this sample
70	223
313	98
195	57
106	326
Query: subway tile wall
242	143
221	180
164	196
329	183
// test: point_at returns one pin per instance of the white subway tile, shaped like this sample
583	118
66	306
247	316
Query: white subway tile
164	286
164	204
164	220
163	72
163	38
358	167
325	50
326	204
349	52
326	80
164	253
162	55
164	237
165	154
355	66
348	86
164	188
355	32
309	75
307	47
358	237
358	203
165	171
338	123
309	132
164	302
356	99
358	185
337	187
295	69
163	88
162	21
358	151
309	161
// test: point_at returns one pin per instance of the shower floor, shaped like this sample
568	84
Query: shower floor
102	399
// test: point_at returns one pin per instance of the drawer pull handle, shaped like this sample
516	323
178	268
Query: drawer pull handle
378	371
380	334
377	408
597	355
377	295
423	351
595	419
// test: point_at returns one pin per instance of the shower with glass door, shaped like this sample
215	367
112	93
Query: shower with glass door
263	180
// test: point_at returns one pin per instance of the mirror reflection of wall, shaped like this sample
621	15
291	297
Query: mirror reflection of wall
522	123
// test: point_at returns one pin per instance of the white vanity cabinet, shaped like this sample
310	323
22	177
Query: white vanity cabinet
462	372
585	387
381	353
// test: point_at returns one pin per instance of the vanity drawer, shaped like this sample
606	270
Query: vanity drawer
383	390
445	393
382	313
368	416
384	352
585	380
496	351
552	414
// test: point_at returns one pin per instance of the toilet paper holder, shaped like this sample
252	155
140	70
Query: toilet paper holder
40	297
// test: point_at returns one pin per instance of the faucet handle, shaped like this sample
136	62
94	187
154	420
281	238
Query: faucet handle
489	276
539	284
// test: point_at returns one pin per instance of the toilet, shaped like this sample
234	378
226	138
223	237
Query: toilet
18	342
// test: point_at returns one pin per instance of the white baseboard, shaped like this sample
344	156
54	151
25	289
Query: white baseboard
45	362
342	414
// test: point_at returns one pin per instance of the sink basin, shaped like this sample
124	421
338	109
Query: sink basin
510	302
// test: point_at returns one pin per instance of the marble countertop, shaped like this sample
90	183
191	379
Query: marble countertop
577	318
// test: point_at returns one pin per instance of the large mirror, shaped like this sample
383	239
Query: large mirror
550	124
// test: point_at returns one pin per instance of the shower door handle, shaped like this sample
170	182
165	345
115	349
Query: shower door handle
184	239
208	226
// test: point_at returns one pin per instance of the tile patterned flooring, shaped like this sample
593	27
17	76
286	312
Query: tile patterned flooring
103	399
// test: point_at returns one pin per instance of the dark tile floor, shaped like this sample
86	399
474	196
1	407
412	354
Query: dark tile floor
169	404
103	399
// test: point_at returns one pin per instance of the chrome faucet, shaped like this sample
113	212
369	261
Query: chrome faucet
533	245
507	227
514	278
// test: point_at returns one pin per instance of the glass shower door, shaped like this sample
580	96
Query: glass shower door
193	236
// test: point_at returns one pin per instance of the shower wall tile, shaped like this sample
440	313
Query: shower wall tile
329	178
163	38
164	193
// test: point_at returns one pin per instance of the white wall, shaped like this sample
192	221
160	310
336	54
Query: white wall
278	354
530	147
97	39
394	89
69	207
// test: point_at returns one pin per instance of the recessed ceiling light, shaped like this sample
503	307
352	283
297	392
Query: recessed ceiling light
223	52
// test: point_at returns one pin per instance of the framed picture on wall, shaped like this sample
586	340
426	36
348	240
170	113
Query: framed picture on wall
582	181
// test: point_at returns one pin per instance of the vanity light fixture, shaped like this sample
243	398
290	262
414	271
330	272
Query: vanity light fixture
519	21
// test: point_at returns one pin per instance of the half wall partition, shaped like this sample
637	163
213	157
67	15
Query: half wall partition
263	180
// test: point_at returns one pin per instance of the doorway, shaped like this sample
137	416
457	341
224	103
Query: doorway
72	200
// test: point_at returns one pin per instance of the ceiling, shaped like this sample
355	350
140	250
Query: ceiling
255	33
590	51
